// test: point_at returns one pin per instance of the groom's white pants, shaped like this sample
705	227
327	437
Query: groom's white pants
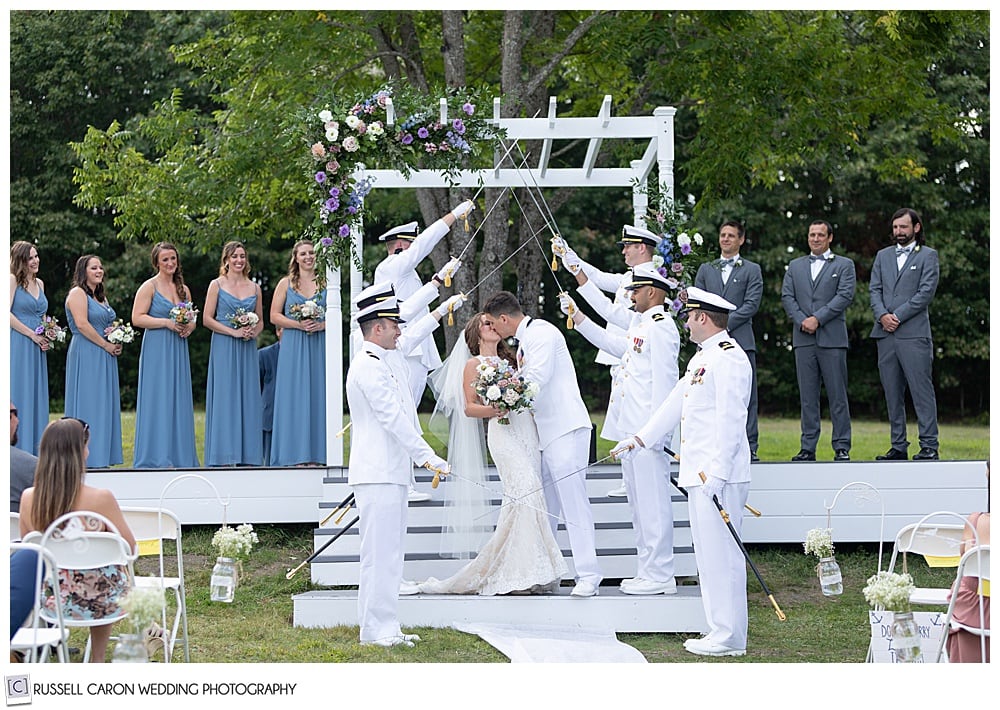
382	527
566	496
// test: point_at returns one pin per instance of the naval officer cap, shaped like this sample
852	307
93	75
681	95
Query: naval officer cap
388	308
701	299
404	231
637	235
376	293
647	275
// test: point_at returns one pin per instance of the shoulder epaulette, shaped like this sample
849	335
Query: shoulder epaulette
369	353
658	316
726	345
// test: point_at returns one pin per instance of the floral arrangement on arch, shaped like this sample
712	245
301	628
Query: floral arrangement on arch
345	133
676	257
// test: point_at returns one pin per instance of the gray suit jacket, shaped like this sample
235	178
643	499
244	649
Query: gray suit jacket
905	292
743	290
22	475
826	298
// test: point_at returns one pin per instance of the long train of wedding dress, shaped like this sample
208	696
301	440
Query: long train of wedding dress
522	554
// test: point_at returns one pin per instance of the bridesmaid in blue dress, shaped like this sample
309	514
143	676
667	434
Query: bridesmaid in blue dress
164	410
233	407
92	364
29	374
299	434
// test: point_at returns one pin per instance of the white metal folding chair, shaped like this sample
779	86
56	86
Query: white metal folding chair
15	527
151	526
974	563
35	638
939	543
77	541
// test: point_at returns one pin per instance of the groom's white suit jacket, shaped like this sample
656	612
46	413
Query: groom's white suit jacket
543	358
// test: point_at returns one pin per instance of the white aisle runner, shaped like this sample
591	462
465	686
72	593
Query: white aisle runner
554	644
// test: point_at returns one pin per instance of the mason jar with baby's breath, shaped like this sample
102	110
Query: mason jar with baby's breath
819	542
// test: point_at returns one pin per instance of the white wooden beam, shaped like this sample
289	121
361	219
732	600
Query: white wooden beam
543	160
390	111
505	177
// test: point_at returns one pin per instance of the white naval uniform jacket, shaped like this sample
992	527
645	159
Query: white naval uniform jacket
543	358
617	312
710	404
648	352
386	438
400	270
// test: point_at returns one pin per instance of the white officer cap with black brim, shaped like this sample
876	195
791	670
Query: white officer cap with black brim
376	293
701	299
647	275
404	231
388	308
637	235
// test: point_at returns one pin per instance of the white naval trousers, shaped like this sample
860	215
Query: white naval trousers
722	569
566	497
382	527
417	376
647	482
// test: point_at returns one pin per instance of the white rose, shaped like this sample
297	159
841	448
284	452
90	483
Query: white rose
683	239
489	371
657	261
698	238
510	397
325	116
493	393
376	129
332	131
352	121
531	390
351	144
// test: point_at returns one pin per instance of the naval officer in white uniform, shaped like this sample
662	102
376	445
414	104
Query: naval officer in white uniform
386	441
710	404
648	352
564	428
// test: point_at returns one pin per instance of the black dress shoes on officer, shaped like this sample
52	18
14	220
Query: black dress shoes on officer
926	454
804	455
892	455
841	455
754	458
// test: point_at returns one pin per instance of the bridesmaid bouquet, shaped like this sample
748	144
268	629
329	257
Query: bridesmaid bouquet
498	384
308	310
243	318
50	328
184	312
119	333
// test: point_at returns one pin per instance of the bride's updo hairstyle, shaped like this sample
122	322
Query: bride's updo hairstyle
472	340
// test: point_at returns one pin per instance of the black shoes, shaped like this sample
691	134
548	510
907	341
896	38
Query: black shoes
754	458
841	455
926	454
895	455
804	455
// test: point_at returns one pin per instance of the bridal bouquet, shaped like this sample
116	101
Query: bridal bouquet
243	318
498	384
235	543
50	328
307	310
184	312
119	333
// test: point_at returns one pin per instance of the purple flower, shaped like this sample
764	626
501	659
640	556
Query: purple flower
468	108
676	305
677	267
406	139
458	126
332	204
334	192
352	210
685	249
326	241
343	231
320	177
662	271
422	132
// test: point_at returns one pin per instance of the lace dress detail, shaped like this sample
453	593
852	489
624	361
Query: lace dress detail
522	554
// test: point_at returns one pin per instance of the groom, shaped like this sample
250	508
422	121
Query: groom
563	429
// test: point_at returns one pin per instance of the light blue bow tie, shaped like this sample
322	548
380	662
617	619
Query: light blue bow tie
726	262
903	250
814	257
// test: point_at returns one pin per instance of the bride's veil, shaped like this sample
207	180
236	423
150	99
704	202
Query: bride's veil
466	525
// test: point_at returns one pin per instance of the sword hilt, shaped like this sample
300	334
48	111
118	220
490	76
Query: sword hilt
777	609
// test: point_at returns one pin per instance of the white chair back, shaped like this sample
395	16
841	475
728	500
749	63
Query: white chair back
35	639
975	563
15	527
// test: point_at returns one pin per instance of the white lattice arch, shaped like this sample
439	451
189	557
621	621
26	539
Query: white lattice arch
657	130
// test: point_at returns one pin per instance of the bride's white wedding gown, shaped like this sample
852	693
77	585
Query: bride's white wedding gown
522	554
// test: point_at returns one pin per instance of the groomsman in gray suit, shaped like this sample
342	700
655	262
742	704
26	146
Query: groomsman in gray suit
903	282
816	291
738	281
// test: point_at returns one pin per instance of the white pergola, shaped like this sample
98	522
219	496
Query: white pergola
656	130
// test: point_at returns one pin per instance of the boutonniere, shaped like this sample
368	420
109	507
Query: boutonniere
738	262
916	248
696	378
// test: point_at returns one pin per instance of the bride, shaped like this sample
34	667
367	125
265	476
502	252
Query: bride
522	554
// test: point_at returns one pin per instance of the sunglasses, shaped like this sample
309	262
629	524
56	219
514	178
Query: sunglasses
13	411
85	425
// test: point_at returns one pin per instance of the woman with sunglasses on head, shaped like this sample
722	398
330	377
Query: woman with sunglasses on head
164	408
29	374
92	363
233	405
59	489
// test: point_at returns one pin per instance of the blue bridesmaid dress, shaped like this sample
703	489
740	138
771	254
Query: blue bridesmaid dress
92	387
233	406
29	373
164	409
299	434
